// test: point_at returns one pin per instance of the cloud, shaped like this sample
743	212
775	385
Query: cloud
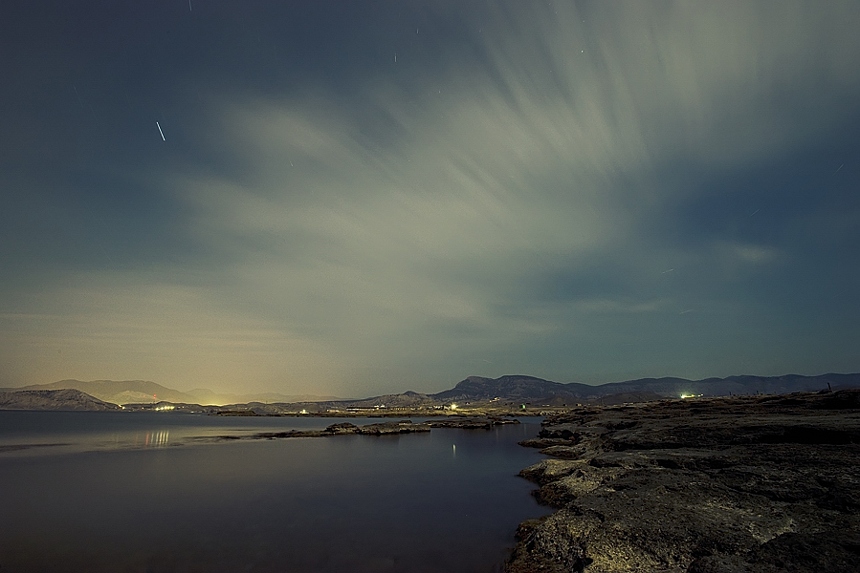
401	253
753	254
602	305
716	84
416	240
417	224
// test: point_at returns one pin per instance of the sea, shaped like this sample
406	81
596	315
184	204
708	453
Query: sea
165	492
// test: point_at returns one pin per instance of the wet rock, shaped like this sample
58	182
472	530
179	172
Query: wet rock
571	452
342	428
545	442
547	471
471	423
387	428
379	429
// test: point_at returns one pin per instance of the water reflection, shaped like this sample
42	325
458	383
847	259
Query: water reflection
158	439
327	505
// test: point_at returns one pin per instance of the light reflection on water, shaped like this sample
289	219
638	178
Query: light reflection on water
157	439
448	500
39	433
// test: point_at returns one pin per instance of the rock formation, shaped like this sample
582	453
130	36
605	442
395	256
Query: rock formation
380	429
724	485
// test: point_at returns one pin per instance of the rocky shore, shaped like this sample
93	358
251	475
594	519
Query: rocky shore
724	485
380	429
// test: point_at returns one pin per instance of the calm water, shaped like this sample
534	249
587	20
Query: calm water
142	492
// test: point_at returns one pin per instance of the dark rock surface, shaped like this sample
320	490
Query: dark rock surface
724	485
378	429
471	423
384	428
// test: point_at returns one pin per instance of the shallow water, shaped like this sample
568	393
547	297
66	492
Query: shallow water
139	492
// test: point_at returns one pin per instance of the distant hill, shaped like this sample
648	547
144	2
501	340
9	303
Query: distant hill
145	392
521	389
536	390
514	389
116	391
739	385
408	399
69	400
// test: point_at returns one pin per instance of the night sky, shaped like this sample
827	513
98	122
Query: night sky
355	198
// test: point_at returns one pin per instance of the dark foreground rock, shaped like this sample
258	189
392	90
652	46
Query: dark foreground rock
723	485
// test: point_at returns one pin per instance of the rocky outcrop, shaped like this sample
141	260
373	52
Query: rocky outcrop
471	423
387	428
724	485
379	429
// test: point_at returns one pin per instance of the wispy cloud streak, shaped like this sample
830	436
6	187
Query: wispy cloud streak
523	207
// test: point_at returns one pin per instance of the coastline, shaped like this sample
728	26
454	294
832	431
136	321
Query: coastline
757	484
378	429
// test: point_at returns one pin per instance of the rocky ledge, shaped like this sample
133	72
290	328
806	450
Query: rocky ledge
725	485
380	429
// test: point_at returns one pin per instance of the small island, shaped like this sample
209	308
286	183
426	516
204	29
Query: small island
378	429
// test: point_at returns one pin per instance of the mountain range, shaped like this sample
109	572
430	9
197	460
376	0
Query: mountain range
537	391
143	392
531	389
510	389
